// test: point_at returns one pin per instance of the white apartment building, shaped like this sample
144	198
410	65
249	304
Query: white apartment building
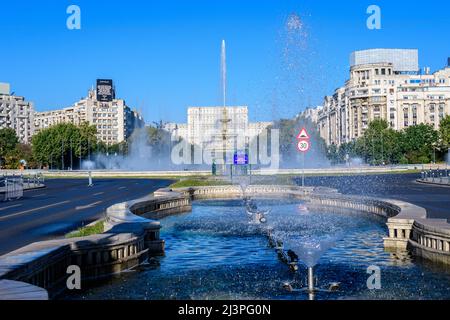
254	129
16	113
218	130
114	120
311	113
177	130
384	84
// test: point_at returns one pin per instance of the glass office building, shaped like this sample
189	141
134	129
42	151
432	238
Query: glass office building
403	60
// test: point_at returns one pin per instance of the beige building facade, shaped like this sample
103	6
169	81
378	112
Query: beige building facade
114	120
394	90
16	113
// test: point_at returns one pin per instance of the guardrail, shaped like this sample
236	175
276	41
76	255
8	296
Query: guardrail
13	186
437	176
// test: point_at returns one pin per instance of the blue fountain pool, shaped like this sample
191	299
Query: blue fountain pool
214	252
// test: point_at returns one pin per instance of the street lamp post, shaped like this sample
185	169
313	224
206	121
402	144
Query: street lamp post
89	150
62	155
373	151
433	145
71	154
80	153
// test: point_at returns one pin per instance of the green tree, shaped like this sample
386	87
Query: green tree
333	154
343	153
444	132
379	144
117	148
160	142
419	143
20	152
8	143
61	145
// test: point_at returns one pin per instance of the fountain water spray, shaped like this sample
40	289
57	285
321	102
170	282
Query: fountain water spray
308	249
223	66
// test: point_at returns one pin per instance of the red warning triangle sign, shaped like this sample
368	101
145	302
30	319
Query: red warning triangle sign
303	134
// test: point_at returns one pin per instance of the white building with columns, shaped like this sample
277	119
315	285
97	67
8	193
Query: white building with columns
218	130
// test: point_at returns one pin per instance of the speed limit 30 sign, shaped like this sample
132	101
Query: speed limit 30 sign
303	145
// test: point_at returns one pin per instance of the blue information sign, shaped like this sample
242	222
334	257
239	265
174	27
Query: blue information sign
240	158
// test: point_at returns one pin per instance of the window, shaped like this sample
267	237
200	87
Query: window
441	112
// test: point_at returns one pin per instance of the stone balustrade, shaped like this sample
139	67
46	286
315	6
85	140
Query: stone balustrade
264	191
128	240
430	239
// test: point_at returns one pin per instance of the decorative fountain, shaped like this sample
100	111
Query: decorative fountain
309	250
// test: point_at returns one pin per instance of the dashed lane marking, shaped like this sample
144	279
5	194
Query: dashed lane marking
33	210
88	206
39	195
9	207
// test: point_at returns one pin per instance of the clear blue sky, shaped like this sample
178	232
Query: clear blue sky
165	55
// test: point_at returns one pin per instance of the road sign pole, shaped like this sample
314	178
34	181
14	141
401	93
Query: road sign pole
303	146
303	169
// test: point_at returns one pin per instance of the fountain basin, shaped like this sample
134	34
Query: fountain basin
214	253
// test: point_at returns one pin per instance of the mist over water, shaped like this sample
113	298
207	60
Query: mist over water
141	155
298	80
297	85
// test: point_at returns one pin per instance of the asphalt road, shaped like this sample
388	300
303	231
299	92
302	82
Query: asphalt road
64	205
435	199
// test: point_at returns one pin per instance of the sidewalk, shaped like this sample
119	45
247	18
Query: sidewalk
440	181
27	186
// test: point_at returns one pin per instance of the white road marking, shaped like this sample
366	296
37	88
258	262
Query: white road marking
39	195
35	209
13	206
98	193
88	205
121	188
